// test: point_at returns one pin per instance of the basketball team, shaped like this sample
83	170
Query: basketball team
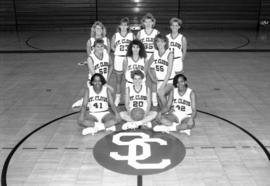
150	66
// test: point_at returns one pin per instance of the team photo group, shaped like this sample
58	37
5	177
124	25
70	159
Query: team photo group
151	87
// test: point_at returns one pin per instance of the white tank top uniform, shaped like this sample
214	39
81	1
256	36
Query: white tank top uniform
161	64
138	99
182	104
175	45
148	41
100	65
98	103
121	43
133	65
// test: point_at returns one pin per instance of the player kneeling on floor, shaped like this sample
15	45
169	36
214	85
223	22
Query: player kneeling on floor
137	103
97	98
180	112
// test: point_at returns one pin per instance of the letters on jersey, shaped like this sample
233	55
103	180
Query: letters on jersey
148	39
98	102
138	99
122	42
161	64
182	103
175	45
133	65
101	66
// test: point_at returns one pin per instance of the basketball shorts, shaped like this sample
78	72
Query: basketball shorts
118	63
99	115
159	83
181	116
177	64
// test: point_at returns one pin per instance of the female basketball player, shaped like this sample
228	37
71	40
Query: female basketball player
161	63
137	95
148	33
97	98
119	45
177	45
180	112
99	61
98	31
135	60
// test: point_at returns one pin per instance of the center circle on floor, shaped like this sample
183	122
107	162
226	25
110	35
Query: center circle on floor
139	152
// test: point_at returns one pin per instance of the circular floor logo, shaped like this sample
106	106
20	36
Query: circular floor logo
139	152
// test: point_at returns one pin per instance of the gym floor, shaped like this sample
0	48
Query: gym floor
40	79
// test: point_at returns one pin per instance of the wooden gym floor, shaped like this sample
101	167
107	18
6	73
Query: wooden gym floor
40	79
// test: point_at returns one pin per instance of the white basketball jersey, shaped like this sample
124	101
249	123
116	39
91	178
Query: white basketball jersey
101	65
161	64
180	103
148	40
122	43
98	102
133	65
138	98
93	41
175	45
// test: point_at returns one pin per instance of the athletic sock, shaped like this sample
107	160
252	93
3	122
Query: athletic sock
117	99
173	126
99	126
112	128
154	99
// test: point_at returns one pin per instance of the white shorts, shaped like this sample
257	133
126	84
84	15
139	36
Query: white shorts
181	116
118	63
159	83
99	115
177	65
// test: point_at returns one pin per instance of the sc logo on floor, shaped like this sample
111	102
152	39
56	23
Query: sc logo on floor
139	152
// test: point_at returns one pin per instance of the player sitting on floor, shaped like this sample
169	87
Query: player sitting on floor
97	98
137	103
180	112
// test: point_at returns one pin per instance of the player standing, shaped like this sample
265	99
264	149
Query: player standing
119	45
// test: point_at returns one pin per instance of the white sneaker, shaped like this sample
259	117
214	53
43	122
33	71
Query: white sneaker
82	63
154	99
148	124
88	130
112	128
187	132
129	125
117	99
99	126
161	128
77	103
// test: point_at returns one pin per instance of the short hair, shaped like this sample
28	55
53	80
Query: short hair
142	52
176	20
102	79
123	20
138	73
93	32
162	37
98	41
148	16
176	77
